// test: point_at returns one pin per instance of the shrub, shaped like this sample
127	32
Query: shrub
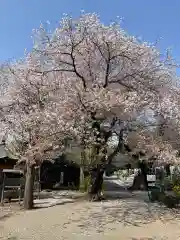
176	182
168	184
176	177
176	190
171	201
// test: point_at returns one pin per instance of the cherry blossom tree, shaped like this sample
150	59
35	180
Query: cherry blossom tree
88	81
30	117
114	76
153	147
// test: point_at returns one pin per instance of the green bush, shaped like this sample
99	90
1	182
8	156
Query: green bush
176	182
176	190
168	184
171	201
176	177
168	200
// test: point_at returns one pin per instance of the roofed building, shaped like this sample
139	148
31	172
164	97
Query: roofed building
7	160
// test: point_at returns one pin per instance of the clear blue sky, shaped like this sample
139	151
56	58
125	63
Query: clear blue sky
149	19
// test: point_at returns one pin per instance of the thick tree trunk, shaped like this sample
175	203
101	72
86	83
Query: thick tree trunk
29	186
96	184
145	181
143	167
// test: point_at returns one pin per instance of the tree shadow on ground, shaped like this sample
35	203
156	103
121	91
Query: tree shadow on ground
55	198
58	194
53	204
5	216
111	186
129	211
46	199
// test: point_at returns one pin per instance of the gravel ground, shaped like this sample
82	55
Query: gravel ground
125	218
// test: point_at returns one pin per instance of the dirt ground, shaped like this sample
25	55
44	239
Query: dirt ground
72	218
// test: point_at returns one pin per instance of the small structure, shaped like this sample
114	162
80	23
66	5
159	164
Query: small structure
60	174
12	185
7	161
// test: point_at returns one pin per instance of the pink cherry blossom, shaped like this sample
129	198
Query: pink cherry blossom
85	68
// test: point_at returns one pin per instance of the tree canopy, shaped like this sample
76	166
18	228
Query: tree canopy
88	81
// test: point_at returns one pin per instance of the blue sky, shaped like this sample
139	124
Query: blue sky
149	19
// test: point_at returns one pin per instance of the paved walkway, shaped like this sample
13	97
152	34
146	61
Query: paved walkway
126	218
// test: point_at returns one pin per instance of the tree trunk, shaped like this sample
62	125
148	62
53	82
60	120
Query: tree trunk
96	184
29	187
81	183
143	167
